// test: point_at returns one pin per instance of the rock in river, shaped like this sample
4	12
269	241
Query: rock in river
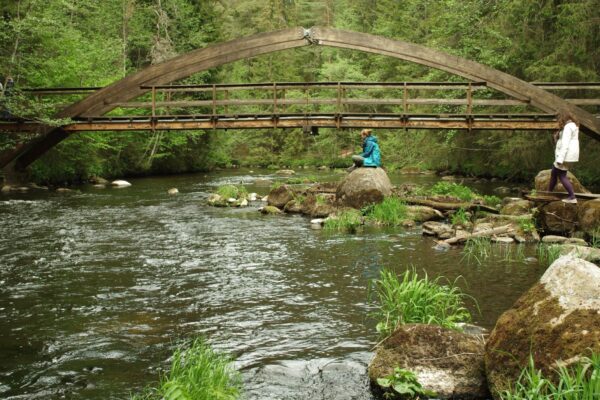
280	196
363	186
445	361
120	183
557	319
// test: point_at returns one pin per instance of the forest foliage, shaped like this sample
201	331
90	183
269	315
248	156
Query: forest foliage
89	43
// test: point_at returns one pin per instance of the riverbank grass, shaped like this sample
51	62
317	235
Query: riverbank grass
453	189
578	382
347	221
390	212
408	299
197	373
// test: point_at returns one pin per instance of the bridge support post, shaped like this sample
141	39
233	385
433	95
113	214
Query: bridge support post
15	176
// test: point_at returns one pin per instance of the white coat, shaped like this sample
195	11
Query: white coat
567	147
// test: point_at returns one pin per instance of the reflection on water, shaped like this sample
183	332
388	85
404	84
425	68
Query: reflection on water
96	287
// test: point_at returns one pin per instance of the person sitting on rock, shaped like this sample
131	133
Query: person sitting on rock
371	156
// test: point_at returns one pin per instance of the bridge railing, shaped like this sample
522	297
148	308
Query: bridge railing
331	97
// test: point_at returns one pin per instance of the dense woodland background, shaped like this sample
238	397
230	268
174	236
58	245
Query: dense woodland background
70	43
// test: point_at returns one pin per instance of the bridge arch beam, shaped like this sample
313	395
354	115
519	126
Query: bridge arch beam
128	88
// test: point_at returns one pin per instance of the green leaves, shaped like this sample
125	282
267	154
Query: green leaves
404	383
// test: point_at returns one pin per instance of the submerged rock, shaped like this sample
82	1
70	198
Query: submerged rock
556	319
120	183
363	186
285	172
217	200
270	210
172	191
445	361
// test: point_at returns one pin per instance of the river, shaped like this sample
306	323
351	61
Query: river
98	286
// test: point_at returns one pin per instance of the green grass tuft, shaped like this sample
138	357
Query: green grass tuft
408	299
391	212
197	373
460	217
547	254
453	189
348	221
491	200
577	382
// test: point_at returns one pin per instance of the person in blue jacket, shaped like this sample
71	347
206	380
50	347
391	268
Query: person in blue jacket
371	156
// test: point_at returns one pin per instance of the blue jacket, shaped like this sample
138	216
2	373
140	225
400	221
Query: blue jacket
371	152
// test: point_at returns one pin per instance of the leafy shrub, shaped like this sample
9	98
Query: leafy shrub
453	189
347	221
410	299
527	225
492	201
320	199
197	373
404	383
460	217
391	211
578	382
232	191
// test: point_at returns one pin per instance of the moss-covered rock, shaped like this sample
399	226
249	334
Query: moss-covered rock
445	361
270	210
588	216
423	213
557	217
557	319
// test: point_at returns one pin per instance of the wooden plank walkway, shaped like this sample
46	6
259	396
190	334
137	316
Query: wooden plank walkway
544	196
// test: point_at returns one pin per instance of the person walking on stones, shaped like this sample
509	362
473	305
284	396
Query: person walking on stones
371	155
565	154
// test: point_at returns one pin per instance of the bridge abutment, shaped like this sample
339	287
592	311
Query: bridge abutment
14	176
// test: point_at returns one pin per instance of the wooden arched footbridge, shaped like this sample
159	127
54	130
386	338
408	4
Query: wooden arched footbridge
289	105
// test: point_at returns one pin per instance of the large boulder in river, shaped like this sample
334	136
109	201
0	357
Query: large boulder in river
363	186
558	217
280	196
445	361
543	179
557	319
588	216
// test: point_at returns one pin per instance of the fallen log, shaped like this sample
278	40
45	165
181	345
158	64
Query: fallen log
485	233
506	217
449	206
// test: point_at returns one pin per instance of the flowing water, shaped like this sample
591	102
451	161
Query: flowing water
98	286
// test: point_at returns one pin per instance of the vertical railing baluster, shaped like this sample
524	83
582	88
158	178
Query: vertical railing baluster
214	100
153	102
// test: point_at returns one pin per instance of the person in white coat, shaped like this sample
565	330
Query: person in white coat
565	154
